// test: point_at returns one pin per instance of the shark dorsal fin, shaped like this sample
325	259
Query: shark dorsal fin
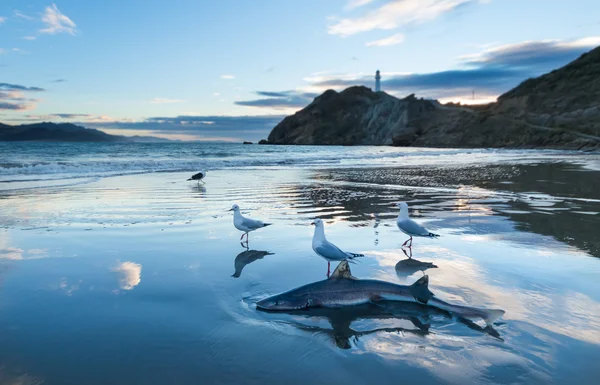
420	289
342	271
423	281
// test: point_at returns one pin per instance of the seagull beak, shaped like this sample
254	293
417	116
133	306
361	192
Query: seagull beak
312	223
230	210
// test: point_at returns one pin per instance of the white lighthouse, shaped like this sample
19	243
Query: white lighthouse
377	81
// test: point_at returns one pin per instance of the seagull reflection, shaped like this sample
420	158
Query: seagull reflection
377	222
409	266
246	257
201	189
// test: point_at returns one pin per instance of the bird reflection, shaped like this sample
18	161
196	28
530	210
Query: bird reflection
246	257
201	189
409	266
377	221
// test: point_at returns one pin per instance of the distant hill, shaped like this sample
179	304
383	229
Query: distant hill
557	110
63	132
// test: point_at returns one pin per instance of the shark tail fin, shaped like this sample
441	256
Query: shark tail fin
342	271
432	235
420	289
492	315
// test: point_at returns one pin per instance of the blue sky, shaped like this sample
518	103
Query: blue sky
228	70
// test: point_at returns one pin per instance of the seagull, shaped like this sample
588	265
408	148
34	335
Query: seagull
199	176
410	227
326	249
245	224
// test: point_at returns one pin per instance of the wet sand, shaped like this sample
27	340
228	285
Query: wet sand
128	279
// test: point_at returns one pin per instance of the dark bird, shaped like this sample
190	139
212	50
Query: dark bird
199	176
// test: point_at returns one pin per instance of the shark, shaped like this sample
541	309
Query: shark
342	289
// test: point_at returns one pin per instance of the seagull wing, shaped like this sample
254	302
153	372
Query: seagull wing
252	224
330	251
411	227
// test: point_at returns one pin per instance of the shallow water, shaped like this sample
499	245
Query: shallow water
126	277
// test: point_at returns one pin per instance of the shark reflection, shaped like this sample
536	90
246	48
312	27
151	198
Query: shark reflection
342	333
246	257
409	318
409	266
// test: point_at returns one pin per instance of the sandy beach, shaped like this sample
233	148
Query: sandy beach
128	278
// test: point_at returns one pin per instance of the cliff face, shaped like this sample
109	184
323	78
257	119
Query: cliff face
567	98
352	117
560	110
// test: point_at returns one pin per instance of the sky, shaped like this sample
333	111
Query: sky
230	70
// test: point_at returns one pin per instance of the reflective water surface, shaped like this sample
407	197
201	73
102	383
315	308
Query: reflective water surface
141	278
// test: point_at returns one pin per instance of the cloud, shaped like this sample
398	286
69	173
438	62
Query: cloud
21	15
279	100
394	14
17	87
15	106
57	22
2	20
130	274
2	51
352	4
29	37
227	77
21	51
533	53
489	73
392	40
58	81
197	127
12	97
166	101
70	116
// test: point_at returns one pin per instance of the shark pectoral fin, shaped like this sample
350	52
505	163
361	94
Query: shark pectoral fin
376	298
342	271
420	289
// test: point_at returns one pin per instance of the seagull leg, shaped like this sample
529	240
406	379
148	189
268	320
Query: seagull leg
328	268
410	246
404	244
242	237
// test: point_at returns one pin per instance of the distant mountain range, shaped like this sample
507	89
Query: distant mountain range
560	109
64	132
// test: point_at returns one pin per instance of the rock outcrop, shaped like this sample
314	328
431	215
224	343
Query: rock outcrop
557	110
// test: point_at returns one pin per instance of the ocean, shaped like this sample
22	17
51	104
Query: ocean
115	269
